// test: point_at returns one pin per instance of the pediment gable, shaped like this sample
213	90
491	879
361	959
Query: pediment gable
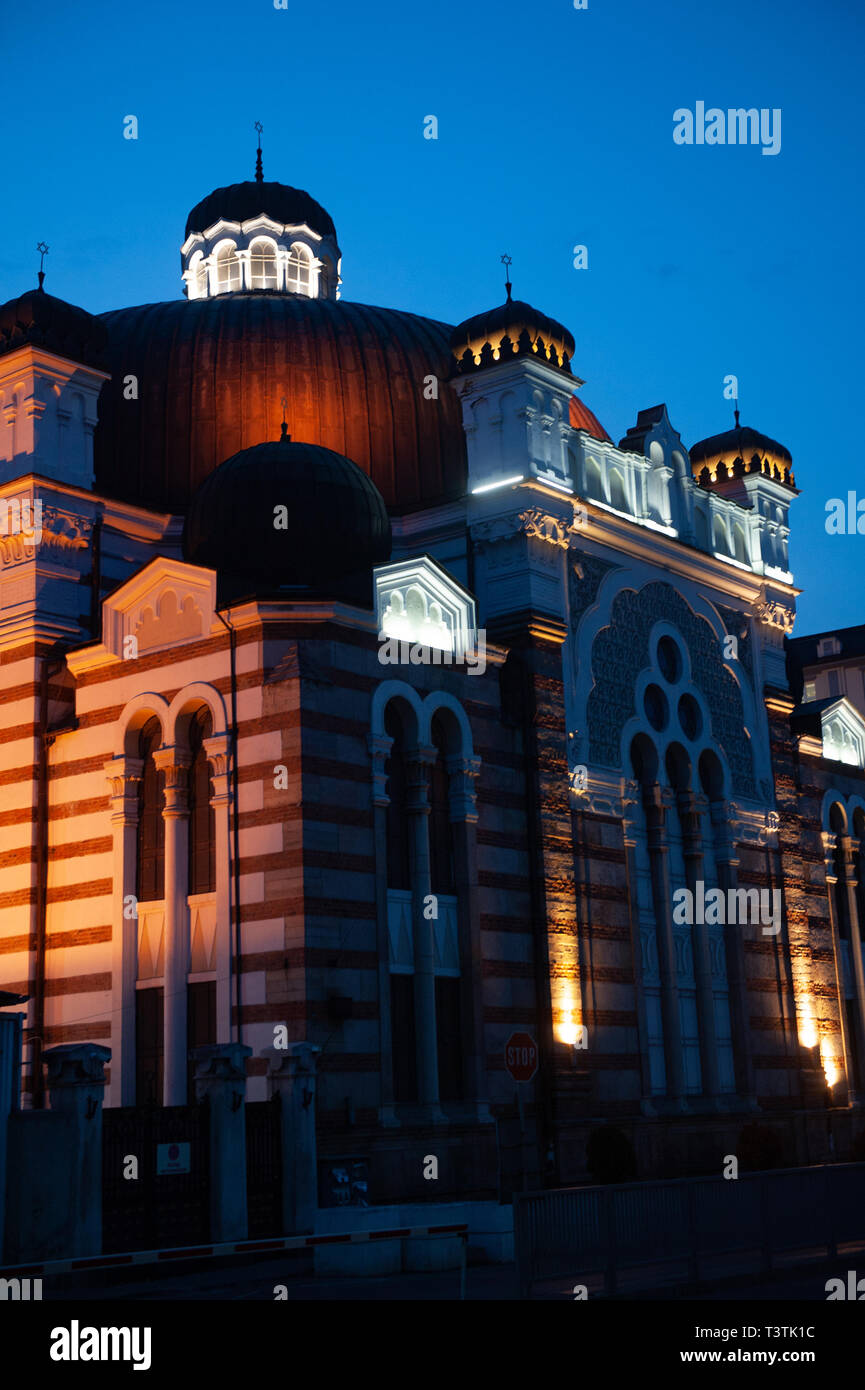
419	601
164	605
843	733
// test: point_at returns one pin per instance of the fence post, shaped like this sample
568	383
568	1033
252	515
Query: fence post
522	1235
693	1235
610	1281
293	1075
76	1087
10	1080
829	1200
764	1223
220	1080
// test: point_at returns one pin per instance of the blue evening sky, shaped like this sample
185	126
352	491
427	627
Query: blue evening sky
555	128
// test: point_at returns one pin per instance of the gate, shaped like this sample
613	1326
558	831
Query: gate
264	1168
165	1205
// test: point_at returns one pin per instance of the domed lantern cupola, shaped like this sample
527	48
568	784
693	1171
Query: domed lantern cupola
260	237
511	368
52	369
746	465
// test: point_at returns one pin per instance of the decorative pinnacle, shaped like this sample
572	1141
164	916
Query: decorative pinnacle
42	248
736	411
507	262
259	173
284	436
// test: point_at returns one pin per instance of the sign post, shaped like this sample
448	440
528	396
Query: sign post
521	1061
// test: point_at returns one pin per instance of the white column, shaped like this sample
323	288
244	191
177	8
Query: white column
218	750
124	776
174	763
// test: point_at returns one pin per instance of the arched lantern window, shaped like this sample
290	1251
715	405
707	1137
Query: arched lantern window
262	266
227	268
198	277
299	270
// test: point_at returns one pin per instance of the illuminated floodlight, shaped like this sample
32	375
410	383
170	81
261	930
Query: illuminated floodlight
504	482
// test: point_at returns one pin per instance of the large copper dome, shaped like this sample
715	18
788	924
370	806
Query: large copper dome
211	375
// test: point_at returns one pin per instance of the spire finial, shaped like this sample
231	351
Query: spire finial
507	262
736	410
42	248
259	173
284	436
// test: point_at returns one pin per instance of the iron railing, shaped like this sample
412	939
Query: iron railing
686	1230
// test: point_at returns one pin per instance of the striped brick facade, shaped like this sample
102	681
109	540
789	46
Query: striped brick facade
631	738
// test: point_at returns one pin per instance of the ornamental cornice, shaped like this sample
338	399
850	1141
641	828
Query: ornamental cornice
536	523
771	612
64	531
753	827
53	533
544	526
603	798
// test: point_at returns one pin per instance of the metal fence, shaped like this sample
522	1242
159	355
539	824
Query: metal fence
264	1167
640	1235
143	1207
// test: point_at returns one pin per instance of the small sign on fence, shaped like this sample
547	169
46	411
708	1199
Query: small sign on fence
172	1158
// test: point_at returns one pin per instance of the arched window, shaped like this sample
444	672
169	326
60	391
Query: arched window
262	266
202	821
644	765
398	860
740	549
227	268
448	987
618	494
198	278
150	868
441	847
839	893
594	483
298	271
859	835
402	1009
838	823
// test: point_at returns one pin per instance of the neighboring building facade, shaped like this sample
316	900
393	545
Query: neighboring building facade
233	804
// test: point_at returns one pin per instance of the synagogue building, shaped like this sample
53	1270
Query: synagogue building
356	683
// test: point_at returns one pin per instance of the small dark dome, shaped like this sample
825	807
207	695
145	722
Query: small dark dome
738	451
43	321
514	329
334	530
241	201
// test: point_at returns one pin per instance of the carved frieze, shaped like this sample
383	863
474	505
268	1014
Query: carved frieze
773	613
52	533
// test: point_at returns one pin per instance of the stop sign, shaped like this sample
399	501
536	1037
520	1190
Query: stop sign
521	1056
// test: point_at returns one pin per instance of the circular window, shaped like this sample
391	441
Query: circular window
656	707
690	717
669	660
